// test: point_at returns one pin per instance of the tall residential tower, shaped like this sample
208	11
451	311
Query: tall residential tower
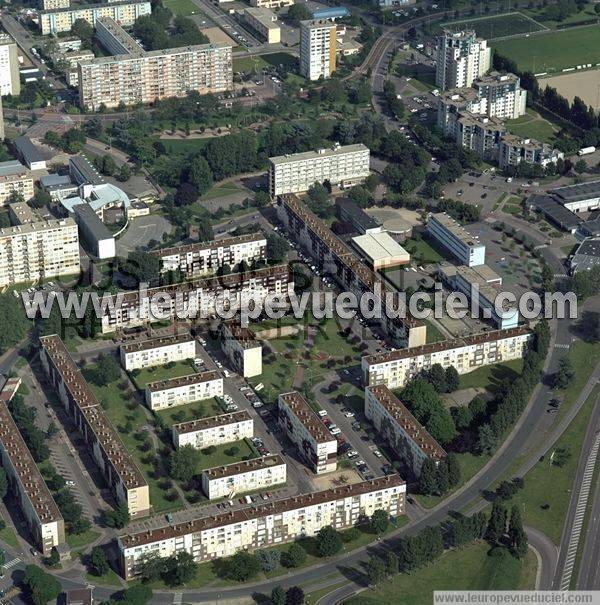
317	49
461	59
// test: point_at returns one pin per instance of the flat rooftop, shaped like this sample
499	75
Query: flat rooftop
307	416
459	97
454	228
182	381
40	225
155	343
247	466
356	213
83	7
243	336
411	426
264	16
263	510
319	153
12	167
446	345
212	245
28	150
86	171
202	424
578	192
555	211
91	220
380	246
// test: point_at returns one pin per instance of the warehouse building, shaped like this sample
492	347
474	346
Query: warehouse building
169	393
554	212
581	197
242	477
215	430
29	154
587	255
157	351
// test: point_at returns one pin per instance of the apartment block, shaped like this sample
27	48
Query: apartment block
516	150
53	4
243	350
241	477
157	351
458	241
479	134
61	19
307	432
10	81
271	3
27	486
500	95
263	525
461	59
105	446
164	394
334	257
205	258
400	429
263	22
342	166
19	182
216	430
318	40
137	76
200	297
38	250
396	368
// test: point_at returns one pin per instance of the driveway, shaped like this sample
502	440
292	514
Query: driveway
140	231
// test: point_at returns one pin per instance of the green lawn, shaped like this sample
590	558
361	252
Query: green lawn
180	368
585	14
477	571
185	146
433	334
9	536
193	411
553	51
108	579
263	61
422	251
220	458
532	125
79	540
221	191
490	377
497	26
181	7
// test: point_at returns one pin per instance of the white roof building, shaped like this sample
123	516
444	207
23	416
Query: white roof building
381	250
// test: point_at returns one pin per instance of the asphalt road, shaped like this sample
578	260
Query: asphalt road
589	572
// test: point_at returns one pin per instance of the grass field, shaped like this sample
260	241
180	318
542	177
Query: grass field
221	191
184	146
553	51
146	375
490	377
257	63
478	571
497	26
532	125
193	411
181	7
8	536
422	251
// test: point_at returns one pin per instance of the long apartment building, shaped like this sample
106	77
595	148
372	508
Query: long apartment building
209	538
395	369
18	182
318	48
204	258
27	486
271	3
43	249
400	429
263	22
200	297
456	239
112	458
335	257
215	430
138	76
307	432
157	351
462	57
164	394
242	349
341	165
242	477
61	19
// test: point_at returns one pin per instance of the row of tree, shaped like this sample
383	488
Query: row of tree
437	479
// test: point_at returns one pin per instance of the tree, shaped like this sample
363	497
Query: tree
376	569
3	484
379	521
452	379
297	13
98	561
186	194
497	523
436	376
391	563
105	371
200	175
294	556
15	323
294	594
118	518
564	374
329	541
2	557
41	199
453	467
428	478
580	166
277	248
82	29
142	266
242	566
278	595
124	173
516	534
269	559
53	559
180	569
183	462
138	594
40	586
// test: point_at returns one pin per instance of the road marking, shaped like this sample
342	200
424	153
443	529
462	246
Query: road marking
557	346
11	563
177	598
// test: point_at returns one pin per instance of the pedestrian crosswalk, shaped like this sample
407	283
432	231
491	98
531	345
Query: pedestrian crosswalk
177	598
563	346
10	564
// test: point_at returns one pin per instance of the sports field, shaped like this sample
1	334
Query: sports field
498	26
554	51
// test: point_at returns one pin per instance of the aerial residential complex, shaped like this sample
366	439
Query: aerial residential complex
318	40
181	391
513	150
400	429
456	239
243	350
306	431
223	535
203	294
157	351
112	458
15	178
61	19
461	59
137	76
241	477
342	166
395	369
26	484
10	82
40	250
205	258
215	430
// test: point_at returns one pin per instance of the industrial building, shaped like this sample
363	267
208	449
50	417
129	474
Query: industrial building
264	525
242	349
215	430
395	369
458	241
104	444
581	197
158	351
381	250
172	392
586	256
307	432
